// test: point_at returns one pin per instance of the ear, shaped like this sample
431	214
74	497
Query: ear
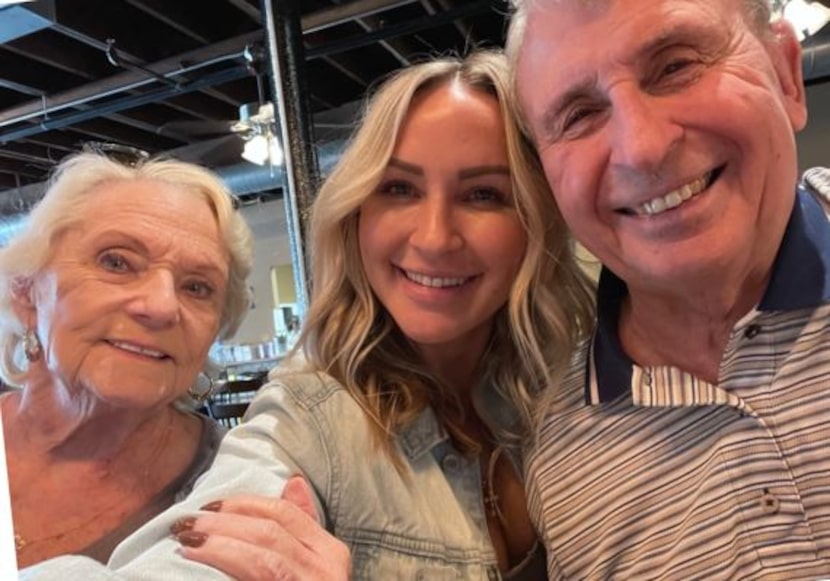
785	53
22	293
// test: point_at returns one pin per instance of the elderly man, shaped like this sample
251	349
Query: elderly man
691	438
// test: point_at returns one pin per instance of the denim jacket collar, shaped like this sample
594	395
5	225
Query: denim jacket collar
422	435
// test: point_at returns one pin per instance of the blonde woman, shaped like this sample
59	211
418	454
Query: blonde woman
446	298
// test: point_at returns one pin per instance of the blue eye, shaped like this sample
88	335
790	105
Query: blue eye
199	289
114	262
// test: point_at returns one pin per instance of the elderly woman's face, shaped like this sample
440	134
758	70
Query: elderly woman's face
132	298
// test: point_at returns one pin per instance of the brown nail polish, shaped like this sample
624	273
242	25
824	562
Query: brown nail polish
183	524
192	538
214	506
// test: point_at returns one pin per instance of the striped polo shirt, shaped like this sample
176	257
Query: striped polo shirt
651	473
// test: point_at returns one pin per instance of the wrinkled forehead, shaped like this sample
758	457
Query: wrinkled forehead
565	27
526	7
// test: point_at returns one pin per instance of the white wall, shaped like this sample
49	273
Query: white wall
267	221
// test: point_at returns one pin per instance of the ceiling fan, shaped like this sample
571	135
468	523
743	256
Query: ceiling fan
253	137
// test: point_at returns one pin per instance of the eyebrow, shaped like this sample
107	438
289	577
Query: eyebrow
680	33
463	174
407	167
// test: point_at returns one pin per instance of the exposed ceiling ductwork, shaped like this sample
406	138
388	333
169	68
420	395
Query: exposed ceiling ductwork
242	180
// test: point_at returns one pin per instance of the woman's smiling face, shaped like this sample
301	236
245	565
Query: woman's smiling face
440	239
132	297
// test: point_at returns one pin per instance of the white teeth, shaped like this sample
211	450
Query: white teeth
140	350
434	282
674	198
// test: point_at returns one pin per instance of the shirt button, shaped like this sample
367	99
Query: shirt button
769	502
451	463
752	331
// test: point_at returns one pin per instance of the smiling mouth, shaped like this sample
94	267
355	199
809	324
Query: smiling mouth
675	198
436	281
138	350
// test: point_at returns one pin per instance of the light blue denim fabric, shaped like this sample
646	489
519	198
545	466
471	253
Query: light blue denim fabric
426	523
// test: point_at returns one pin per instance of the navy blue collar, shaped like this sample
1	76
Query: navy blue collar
800	279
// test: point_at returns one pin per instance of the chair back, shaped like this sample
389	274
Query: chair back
229	405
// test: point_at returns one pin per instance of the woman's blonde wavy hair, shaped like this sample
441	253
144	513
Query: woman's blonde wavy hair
71	189
349	334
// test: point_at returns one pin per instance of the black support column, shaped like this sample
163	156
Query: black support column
286	73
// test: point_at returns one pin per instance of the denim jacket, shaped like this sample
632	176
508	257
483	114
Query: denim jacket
426	522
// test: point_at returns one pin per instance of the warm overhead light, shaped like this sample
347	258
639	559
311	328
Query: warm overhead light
263	149
806	17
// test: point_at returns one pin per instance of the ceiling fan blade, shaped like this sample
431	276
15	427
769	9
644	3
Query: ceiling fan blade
193	129
217	152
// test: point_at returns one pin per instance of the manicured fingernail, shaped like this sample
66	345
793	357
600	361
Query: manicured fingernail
214	506
192	538
183	524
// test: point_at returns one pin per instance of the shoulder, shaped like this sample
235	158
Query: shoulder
304	401
308	389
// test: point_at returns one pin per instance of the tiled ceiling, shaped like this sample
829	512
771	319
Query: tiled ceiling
170	75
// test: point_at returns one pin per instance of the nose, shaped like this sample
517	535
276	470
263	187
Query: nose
643	134
435	230
156	303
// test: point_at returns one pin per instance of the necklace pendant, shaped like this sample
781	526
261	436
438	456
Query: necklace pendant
491	502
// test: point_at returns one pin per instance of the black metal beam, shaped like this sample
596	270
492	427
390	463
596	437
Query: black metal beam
123	104
395	30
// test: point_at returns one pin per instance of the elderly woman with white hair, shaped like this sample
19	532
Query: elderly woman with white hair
110	299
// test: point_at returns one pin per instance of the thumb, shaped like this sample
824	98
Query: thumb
298	492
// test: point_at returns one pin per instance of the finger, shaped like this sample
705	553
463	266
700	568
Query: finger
298	492
293	519
240	559
247	562
313	549
259	531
